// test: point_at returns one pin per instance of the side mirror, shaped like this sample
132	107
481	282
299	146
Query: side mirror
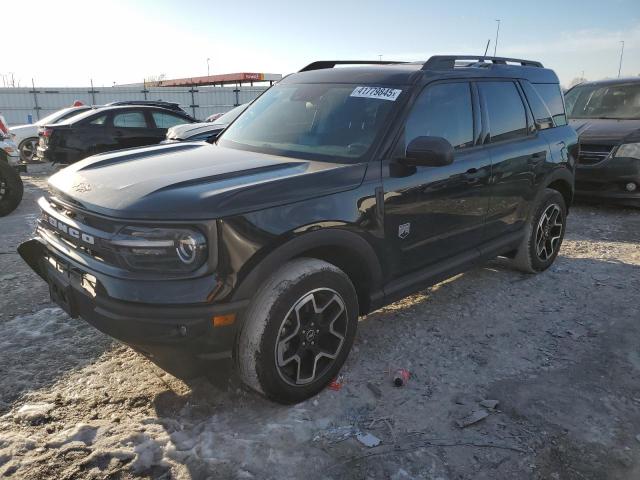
428	152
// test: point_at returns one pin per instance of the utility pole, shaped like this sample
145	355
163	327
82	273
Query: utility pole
208	66
495	45
487	47
621	54
380	58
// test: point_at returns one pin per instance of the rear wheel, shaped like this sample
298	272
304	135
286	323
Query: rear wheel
28	149
544	234
298	330
11	188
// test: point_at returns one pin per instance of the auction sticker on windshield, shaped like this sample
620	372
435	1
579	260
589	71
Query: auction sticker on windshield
377	92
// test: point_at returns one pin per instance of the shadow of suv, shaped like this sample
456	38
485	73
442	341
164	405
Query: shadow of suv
337	191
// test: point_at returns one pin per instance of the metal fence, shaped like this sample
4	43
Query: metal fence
17	104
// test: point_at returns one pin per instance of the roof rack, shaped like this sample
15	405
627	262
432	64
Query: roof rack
332	63
448	62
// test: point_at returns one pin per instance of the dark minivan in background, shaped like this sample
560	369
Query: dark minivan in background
606	116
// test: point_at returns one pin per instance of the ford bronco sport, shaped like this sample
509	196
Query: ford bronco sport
337	191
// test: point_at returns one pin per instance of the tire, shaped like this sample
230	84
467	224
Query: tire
544	234
11	189
282	314
28	149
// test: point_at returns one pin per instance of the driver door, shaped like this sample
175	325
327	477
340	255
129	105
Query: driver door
434	213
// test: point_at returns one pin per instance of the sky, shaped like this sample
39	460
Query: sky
68	42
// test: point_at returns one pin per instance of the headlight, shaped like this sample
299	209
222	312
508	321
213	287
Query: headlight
174	250
628	150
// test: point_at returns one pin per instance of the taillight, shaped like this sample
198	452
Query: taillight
46	132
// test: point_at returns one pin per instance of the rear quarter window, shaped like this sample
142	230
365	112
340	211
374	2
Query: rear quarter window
552	97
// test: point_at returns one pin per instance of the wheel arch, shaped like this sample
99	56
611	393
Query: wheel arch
345	249
561	180
26	139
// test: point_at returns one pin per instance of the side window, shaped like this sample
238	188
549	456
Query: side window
552	96
99	120
507	116
543	116
129	120
443	110
166	120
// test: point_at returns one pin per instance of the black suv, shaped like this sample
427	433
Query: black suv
104	129
338	191
606	115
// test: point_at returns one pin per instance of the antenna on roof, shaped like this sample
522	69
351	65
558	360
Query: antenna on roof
487	48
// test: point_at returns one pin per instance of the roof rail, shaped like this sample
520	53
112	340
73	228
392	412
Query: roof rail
448	62
332	63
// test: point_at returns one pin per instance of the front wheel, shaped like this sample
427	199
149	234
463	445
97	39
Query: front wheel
298	330
544	234
11	189
28	149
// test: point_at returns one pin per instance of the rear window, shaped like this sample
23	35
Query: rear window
507	116
552	96
129	120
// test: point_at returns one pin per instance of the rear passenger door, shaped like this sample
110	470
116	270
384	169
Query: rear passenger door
518	155
131	129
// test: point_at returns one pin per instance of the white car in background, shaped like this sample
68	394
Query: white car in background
26	136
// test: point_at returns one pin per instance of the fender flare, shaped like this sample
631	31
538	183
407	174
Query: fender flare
561	174
357	247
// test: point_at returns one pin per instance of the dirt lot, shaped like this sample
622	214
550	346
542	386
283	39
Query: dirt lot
560	352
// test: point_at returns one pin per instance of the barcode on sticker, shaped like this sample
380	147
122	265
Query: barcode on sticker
377	92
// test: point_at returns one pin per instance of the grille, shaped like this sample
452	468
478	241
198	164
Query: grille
90	238
592	154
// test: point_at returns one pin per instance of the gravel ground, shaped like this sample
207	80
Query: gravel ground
559	352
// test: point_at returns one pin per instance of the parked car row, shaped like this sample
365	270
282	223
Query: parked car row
105	129
74	133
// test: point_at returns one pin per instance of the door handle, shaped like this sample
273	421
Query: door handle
472	171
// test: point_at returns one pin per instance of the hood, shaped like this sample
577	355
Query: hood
196	181
187	130
610	131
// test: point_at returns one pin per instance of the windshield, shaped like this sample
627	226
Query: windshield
621	101
61	115
313	121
